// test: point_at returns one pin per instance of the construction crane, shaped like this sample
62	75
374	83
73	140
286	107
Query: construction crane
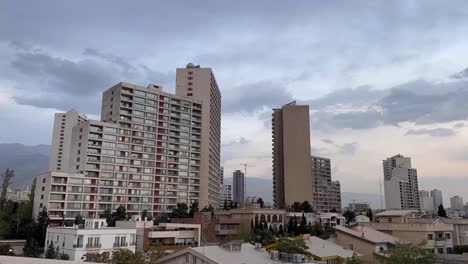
245	179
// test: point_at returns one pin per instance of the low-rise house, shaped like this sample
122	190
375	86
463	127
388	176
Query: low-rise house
171	236
93	237
234	252
366	241
436	234
331	219
395	216
460	230
329	252
140	225
362	219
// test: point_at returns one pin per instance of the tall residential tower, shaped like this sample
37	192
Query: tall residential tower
327	193
400	184
238	181
292	170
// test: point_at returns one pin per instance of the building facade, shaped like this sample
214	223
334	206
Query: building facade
146	153
292	170
200	84
238	182
327	193
226	193
456	203
358	207
94	237
400	183
426	201
437	198
60	149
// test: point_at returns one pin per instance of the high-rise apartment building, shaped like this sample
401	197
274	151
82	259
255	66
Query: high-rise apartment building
456	203
145	154
61	139
225	191
426	201
200	84
327	193
437	198
292	170
238	182
400	184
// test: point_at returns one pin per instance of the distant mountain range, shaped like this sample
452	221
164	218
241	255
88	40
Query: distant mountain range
260	187
27	161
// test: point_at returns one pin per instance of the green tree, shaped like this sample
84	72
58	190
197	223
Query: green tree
441	211
107	214
51	253
354	260
5	249
261	202
194	209
292	246
350	216
40	227
306	207
296	207
317	229
162	218
32	248
408	254
6	178
209	208
370	214
145	215
120	213
125	256
78	220
180	211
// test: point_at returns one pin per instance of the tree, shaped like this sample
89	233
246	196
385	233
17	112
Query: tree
125	256
107	214
162	218
120	213
78	220
441	211
370	214
261	202
231	204
296	207
408	254
5	249
51	253
194	209
350	216
32	248
306	207
40	228
281	230
354	260
292	246
6	178
208	209
180	211
145	215
317	229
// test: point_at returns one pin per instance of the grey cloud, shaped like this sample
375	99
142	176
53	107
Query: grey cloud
240	141
363	95
328	141
255	96
346	148
49	81
436	132
349	148
328	121
459	125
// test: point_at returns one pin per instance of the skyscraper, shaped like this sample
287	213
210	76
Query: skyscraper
61	139
200	83
238	180
456	203
400	183
327	193
145	154
426	201
292	170
437	198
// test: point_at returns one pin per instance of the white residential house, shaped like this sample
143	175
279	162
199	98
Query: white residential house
94	237
331	219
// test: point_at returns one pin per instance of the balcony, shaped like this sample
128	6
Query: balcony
94	245
78	245
125	244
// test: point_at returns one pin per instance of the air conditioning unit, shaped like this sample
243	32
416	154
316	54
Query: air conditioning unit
298	258
274	255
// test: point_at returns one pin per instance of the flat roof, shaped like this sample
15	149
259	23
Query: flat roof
396	213
23	260
324	249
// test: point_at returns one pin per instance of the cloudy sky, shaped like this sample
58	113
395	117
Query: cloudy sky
381	77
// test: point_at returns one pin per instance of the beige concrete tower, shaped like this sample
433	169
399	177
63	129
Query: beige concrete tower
292	170
61	139
200	83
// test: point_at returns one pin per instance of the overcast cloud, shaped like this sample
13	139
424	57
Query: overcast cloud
380	77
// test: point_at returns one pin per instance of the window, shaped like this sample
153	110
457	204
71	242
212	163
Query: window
43	180
430	237
194	260
440	250
447	235
389	220
42	196
189	94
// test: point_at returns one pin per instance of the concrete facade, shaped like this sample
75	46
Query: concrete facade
292	170
426	201
238	191
400	184
60	149
437	198
456	202
200	84
327	193
95	237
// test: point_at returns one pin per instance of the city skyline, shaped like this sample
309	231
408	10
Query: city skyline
370	95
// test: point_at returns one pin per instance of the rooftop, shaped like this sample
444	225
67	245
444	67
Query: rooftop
396	213
22	260
369	234
326	250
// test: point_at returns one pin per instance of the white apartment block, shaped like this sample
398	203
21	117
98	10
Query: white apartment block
150	151
456	203
200	83
226	193
426	201
437	198
400	184
61	139
94	237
